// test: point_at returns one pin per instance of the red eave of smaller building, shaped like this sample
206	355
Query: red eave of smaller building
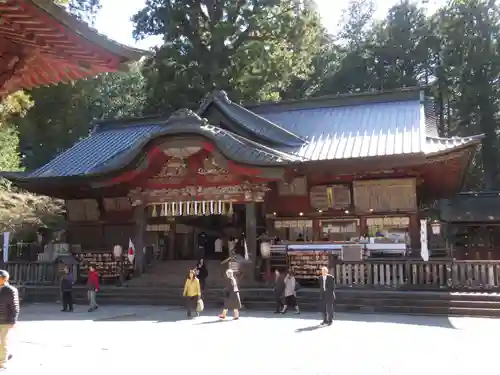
41	44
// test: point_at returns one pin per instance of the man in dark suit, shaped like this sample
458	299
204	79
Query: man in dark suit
327	295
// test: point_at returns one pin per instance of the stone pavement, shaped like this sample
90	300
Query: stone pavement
159	340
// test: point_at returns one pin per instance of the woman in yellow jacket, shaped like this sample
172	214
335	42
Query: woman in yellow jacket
192	292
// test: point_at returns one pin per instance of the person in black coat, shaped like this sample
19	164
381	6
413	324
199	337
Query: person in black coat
67	291
201	273
327	296
279	290
9	313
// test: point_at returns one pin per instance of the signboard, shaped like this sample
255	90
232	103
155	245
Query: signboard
389	195
306	265
297	187
336	197
278	224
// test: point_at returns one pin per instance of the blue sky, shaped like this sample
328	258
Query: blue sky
114	18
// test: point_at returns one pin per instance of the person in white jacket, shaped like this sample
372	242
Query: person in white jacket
290	293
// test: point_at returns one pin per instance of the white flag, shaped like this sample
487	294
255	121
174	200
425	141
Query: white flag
424	249
6	246
131	251
246	249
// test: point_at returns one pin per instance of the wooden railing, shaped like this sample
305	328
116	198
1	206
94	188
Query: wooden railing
415	274
391	274
32	272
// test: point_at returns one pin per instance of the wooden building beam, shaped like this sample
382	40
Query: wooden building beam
251	232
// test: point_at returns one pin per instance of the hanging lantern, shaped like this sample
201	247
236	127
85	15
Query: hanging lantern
219	207
223	210
181	204
212	207
230	211
436	227
117	251
154	213
163	209
265	250
174	209
188	208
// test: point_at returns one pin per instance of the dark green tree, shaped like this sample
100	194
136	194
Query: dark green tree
64	113
251	48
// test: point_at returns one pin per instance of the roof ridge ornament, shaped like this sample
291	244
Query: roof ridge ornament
209	99
186	115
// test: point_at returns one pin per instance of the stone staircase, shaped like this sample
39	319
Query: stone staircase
363	301
173	274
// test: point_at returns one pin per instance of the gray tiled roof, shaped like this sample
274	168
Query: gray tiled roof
98	148
107	148
355	131
324	132
365	130
242	119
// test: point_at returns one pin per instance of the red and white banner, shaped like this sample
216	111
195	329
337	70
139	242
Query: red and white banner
131	251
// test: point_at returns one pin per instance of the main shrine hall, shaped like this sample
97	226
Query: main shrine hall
316	176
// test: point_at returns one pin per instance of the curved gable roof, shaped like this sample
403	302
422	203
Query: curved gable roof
261	129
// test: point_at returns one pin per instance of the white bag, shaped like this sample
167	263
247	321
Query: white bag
200	305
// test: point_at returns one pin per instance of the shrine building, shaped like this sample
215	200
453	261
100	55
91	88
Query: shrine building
316	176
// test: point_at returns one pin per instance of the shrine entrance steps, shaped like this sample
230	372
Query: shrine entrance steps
173	274
348	300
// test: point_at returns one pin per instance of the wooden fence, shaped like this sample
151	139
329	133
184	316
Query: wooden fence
415	274
33	273
390	274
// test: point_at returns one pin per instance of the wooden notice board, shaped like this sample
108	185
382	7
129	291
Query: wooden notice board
390	195
306	265
336	197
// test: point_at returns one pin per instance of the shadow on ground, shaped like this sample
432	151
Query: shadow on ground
161	314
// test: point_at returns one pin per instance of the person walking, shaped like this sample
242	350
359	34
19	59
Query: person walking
201	273
67	291
93	288
327	296
290	293
232	297
9	313
279	289
192	292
